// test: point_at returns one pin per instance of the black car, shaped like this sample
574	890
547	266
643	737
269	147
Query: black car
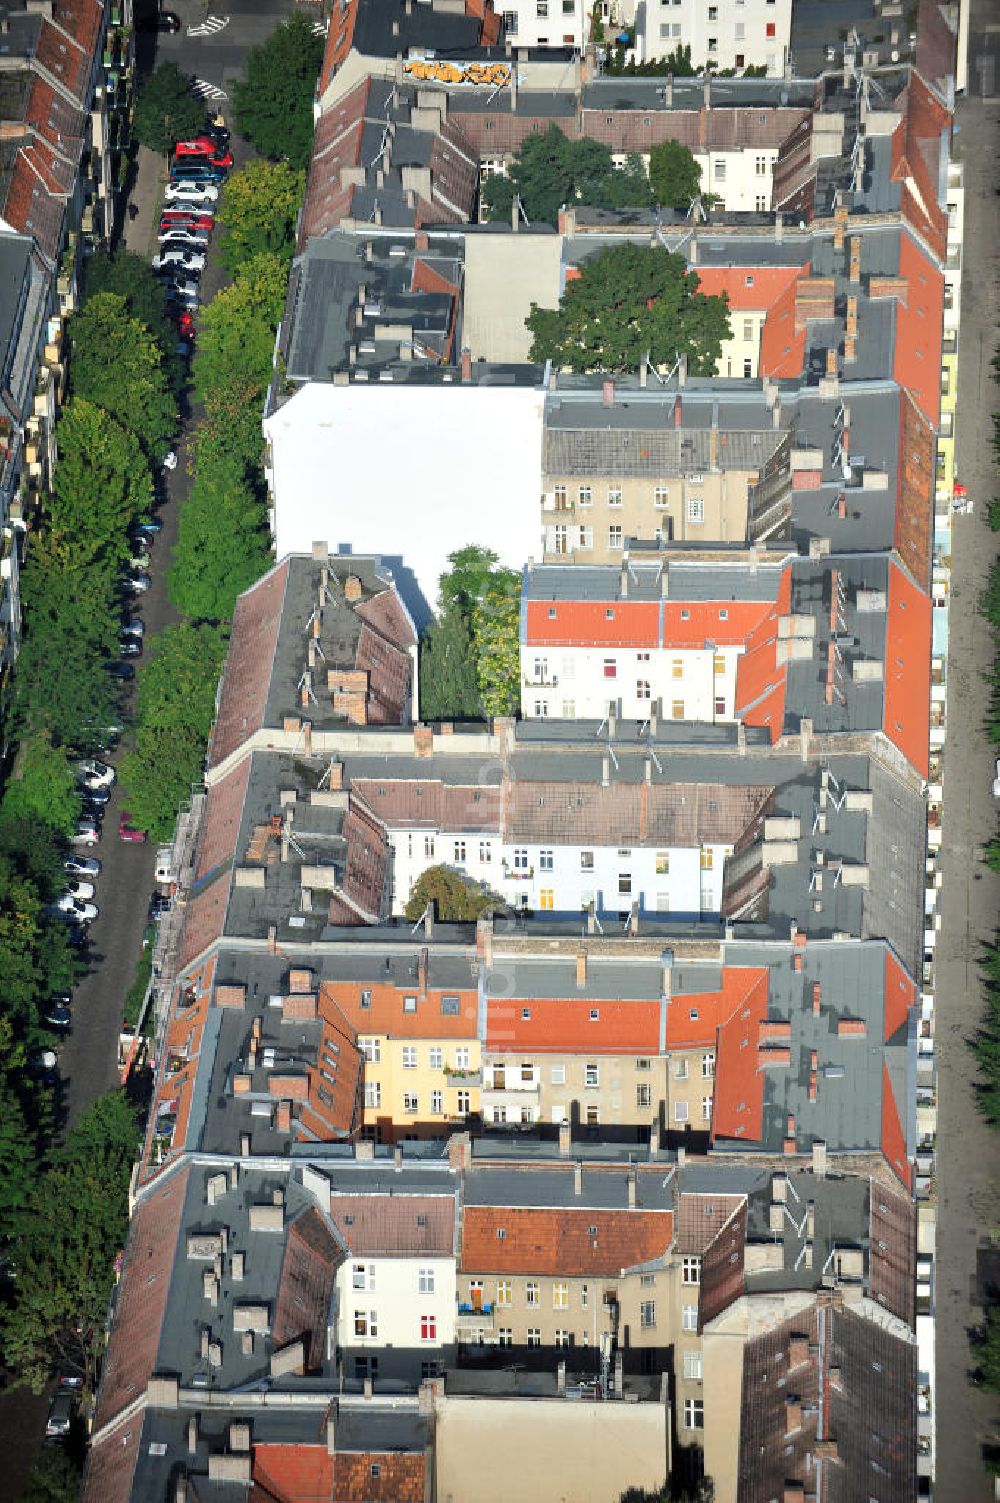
164	20
57	1017
123	672
95	799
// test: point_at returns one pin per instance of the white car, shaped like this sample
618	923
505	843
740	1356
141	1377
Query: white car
79	889
196	240
82	866
71	908
87	832
996	779
95	774
184	260
136	584
190	193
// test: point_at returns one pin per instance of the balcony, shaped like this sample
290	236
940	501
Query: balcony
541	681
474	1321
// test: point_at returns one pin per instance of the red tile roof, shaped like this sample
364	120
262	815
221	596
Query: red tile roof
694	1018
749	287
914	520
564	1025
738	1106
916	357
643	624
658	814
142	1297
760	682
305	1288
385	1015
178	1066
782	343
893	1136
296	1473
906	714
565	1241
247	673
395	1226
917	144
701	1217
900	995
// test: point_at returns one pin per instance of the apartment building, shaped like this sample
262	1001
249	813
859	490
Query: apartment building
745	34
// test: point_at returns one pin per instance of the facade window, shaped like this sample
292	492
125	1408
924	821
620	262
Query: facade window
761	205
720	170
713	44
689	1317
691	1270
692	1366
462	1103
720	704
520	860
680	1069
569	709
593	1116
546	860
694	1414
430	1370
425	1281
366	999
409	1056
409	1004
531	1293
770	30
460	852
615	539
499	1116
610	667
661	496
541	9
546	898
436	1057
559	495
708	1065
706	1108
366	1323
696	510
591	1077
541	709
559	537
560	1296
372	1050
558	1074
680	1111
713	12
363	1276
437	1102
373	1094
760	166
410	1103
707	858
624	884
510	22
662	863
677	709
505	1291
534	1337
643	1095
586	495
428	849
505	1336
677	668
647	1314
562	1338
614	495
642	689
428	1328
485	852
586	861
585	537
584	1296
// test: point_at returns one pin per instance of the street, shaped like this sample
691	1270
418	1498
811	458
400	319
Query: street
968	1192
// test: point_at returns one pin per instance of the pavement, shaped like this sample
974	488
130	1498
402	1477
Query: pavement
968	1151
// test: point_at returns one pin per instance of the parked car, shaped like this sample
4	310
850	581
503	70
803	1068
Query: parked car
187	219
72	908
164	21
57	1017
129	832
215	126
81	866
136	584
129	646
96	798
203	149
180	288
123	672
189	260
196	172
61	1411
149	526
159	904
189	192
86	832
134	627
180	238
996	779
79	888
95	774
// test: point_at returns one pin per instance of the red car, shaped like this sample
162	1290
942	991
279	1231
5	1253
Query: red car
203	149
173	219
129	832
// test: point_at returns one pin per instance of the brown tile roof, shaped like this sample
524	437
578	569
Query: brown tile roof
378	1477
224	807
399	1226
424	803
715	129
305	1287
61	55
111	1463
31	208
454	164
334	1106
366	867
701	1217
386	615
246	676
671	814
142	1297
507	1239
893	1258
722	1264
388	668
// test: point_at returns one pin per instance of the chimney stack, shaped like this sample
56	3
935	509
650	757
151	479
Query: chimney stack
578	1178
466	367
608	393
581	968
565	1139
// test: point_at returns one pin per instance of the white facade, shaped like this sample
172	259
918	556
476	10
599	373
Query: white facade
731	33
546	23
410	472
401	1305
567	878
585	683
740	179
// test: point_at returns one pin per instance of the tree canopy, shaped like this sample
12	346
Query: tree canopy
474	571
131	277
273	102
101	484
42	786
449	689
629	302
166	111
456	898
236	333
222	544
550	171
117	364
674	175
259	211
496	645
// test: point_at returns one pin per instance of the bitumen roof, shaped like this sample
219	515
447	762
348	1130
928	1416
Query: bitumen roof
689	580
615	93
819	24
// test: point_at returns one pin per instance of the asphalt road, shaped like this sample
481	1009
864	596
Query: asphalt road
968	1152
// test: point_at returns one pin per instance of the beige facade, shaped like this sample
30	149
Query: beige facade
587	518
674	1090
576	1453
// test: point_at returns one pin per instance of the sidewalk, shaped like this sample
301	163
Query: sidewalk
147	196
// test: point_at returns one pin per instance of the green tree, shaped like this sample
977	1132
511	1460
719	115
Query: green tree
101	484
69	1234
550	171
496	645
177	683
117	364
448	686
674	175
34	848
986	1350
474	571
158	775
259	212
54	1478
42	786
456	898
222	544
130	276
273	103
629	302
166	110
18	1166
236	337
